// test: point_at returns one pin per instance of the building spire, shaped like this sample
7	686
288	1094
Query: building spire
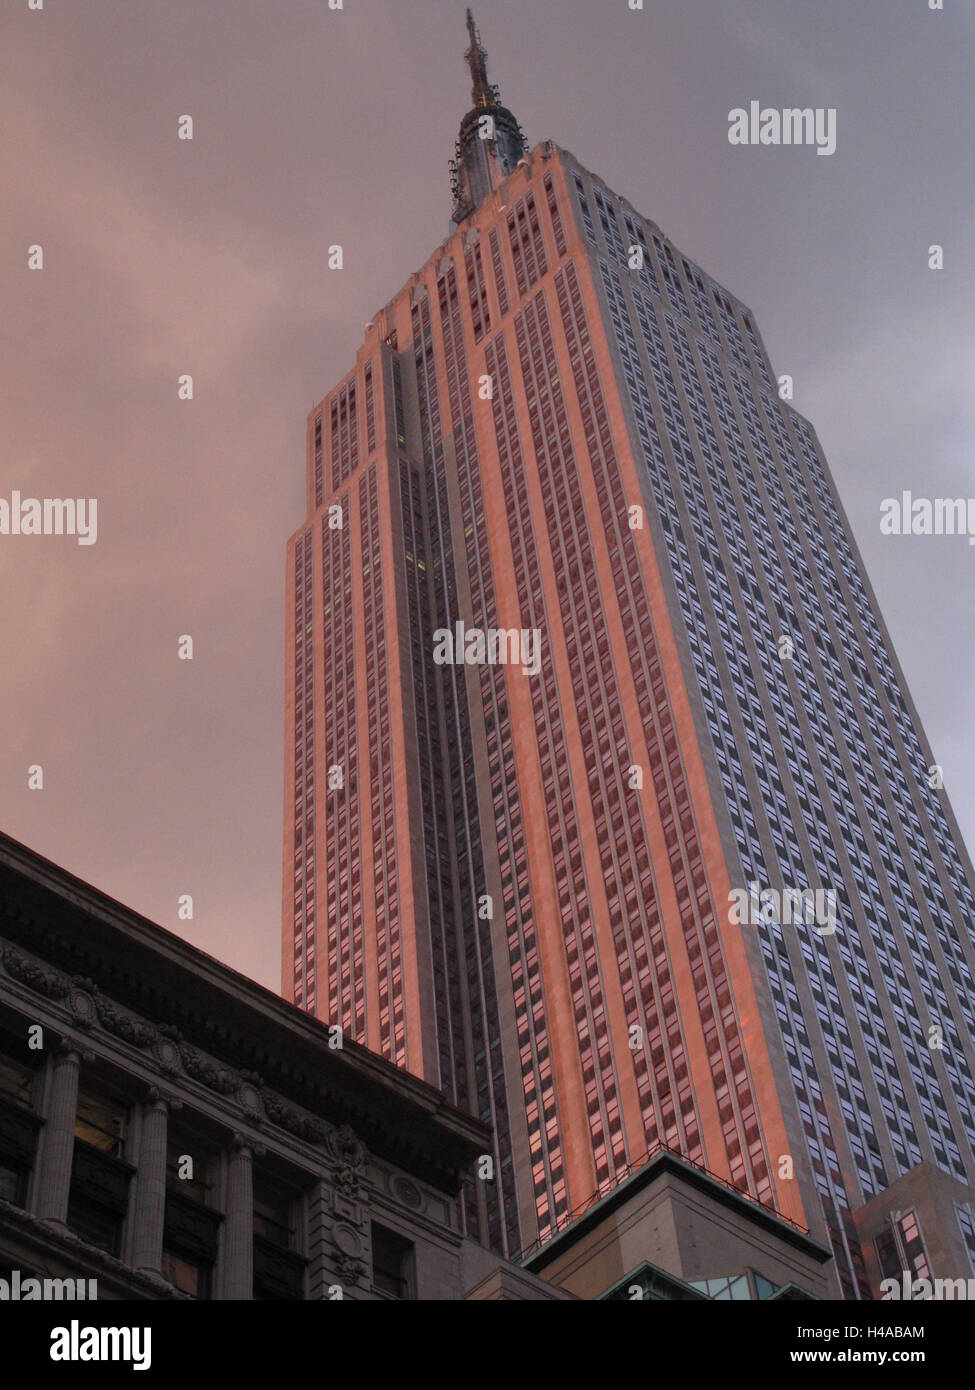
482	94
491	142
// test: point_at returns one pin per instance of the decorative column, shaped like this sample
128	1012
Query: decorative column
349	1230
150	1185
57	1141
238	1226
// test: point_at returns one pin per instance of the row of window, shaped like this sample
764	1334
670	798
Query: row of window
779	553
101	1175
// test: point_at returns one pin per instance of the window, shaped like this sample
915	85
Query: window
273	1212
912	1244
279	1272
94	1223
190	1166
887	1255
13	1182
101	1122
16	1071
188	1275
393	1264
18	1123
191	1229
100	1179
190	1237
966	1222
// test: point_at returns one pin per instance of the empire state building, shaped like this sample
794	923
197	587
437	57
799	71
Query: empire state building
685	881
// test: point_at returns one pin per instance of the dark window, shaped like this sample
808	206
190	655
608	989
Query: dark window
100	1179
190	1166
393	1263
190	1237
887	1254
13	1183
94	1223
18	1123
17	1070
189	1276
101	1122
912	1244
279	1272
274	1207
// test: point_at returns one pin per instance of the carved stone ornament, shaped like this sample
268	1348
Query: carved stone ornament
124	1026
34	976
350	1271
350	1158
81	1006
249	1099
202	1069
86	1004
406	1191
286	1117
167	1055
347	1240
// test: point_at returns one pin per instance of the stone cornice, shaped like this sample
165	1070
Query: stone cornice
155	991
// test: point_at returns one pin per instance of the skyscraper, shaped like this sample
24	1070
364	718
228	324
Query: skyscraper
609	812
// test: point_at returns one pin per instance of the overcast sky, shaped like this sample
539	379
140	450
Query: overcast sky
208	257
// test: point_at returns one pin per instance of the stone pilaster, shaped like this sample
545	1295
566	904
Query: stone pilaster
149	1208
237	1281
57	1138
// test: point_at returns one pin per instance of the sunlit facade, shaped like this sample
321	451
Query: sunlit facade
520	885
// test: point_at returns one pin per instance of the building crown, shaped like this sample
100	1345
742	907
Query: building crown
490	142
482	94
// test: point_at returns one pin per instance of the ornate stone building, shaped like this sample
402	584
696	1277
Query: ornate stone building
173	1130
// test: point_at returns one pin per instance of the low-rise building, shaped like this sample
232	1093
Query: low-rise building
173	1130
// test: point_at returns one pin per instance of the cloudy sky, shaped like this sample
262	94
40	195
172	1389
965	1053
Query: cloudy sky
314	126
